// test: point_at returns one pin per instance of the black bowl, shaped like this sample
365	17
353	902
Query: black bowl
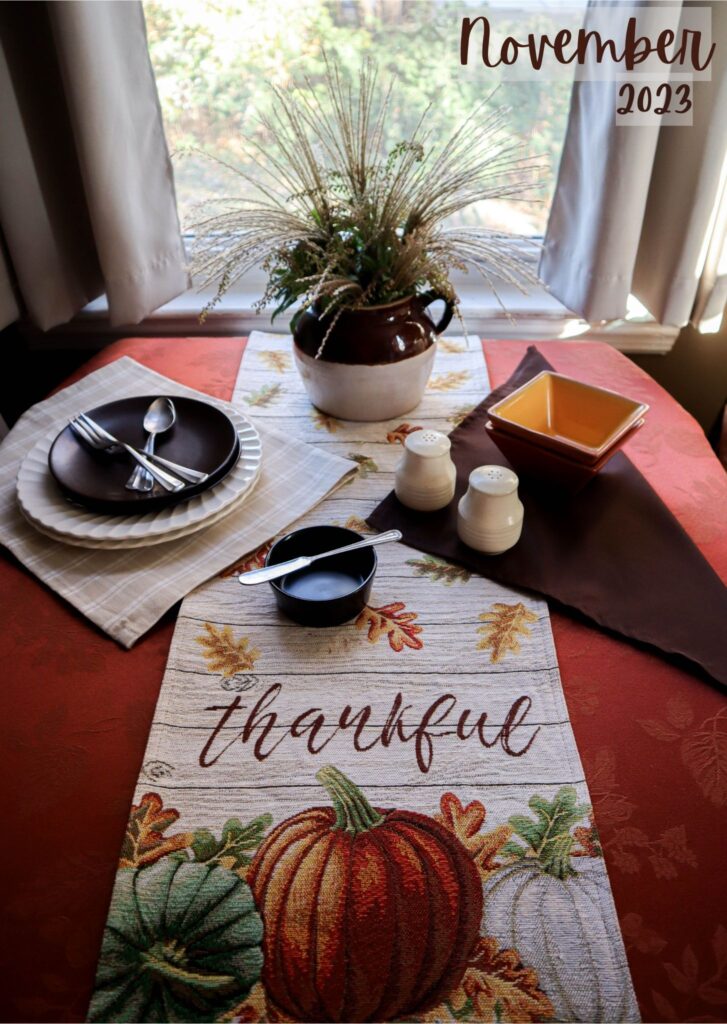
332	590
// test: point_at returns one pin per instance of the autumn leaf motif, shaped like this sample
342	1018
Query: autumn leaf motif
448	345
691	978
255	560
587	838
505	623
548	836
466	823
264	396
233	851
322	421
393	622
366	465
705	756
399	434
637	935
460	415
254	1010
224	654
358	524
145	841
703	750
279	362
497	986
449	381
665	853
438	570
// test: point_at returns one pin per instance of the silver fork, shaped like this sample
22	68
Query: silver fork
192	476
167	480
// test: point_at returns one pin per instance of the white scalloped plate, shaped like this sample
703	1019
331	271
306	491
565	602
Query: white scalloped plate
146	542
45	507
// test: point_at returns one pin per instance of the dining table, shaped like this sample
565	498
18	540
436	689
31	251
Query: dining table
651	731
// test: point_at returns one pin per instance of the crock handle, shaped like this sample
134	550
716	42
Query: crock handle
426	299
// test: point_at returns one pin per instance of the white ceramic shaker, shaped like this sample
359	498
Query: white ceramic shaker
425	477
490	514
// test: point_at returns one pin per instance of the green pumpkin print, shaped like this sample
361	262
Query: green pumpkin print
182	943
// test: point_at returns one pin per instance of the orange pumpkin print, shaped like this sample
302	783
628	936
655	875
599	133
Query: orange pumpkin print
369	914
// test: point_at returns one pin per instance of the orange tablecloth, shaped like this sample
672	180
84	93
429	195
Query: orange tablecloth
652	735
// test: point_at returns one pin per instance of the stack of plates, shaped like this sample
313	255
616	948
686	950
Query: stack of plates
76	495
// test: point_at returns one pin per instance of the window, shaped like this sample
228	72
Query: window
213	61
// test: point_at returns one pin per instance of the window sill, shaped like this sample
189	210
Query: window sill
536	316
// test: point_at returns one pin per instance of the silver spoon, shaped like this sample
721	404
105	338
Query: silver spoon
274	572
158	418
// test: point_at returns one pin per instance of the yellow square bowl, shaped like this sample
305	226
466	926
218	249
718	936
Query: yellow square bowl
567	416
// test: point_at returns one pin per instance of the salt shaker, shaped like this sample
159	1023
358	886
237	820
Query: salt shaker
426	476
490	514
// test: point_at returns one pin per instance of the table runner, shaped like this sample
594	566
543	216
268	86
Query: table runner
125	592
435	724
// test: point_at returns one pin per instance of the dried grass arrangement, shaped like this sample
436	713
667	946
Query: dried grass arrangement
339	223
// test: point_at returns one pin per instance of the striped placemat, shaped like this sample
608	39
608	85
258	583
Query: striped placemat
387	820
125	591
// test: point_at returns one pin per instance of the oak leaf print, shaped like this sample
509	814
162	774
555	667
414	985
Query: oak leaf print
234	850
449	345
366	465
264	396
322	421
145	841
224	654
439	570
460	415
358	524
399	434
466	823
255	560
449	381
548	836
505	624
497	986
277	361
393	622
589	843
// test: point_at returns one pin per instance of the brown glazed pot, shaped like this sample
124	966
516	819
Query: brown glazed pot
377	360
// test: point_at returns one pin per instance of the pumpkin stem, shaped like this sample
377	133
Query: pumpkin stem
353	811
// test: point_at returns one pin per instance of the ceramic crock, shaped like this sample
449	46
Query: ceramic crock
377	360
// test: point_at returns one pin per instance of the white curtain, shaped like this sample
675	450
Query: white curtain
641	210
87	202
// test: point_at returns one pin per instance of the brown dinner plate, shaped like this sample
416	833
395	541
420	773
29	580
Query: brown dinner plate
202	438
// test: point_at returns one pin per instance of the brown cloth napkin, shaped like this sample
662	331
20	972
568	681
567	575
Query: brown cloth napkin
614	551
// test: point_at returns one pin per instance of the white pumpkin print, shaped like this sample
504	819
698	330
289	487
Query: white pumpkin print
556	911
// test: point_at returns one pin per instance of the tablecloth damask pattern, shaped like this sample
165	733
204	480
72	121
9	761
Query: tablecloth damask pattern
82	709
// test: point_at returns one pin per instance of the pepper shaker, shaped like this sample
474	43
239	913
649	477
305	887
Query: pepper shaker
425	477
490	514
